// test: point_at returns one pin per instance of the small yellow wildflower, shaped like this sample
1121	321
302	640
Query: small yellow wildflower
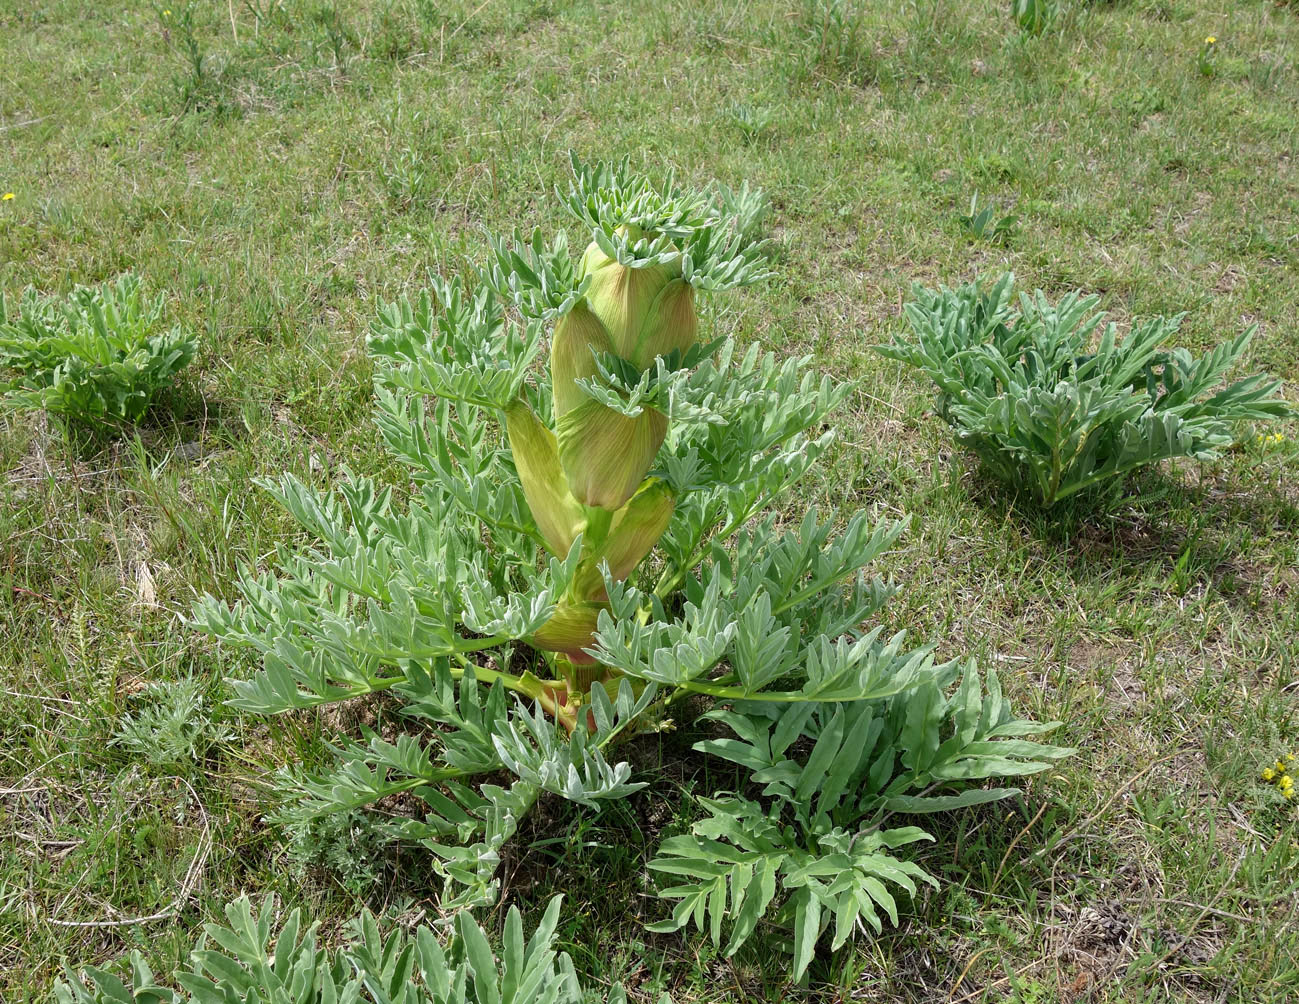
1289	758
1268	773
1288	793
166	13
6	197
1280	767
1286	783
1211	40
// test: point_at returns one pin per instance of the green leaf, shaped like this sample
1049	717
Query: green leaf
758	894
478	955
807	928
918	804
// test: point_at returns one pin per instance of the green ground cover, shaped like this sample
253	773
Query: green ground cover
278	168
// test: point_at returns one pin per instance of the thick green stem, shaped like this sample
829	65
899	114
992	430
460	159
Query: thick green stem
598	522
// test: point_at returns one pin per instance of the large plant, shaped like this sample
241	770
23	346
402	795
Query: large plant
585	557
1052	401
253	960
98	356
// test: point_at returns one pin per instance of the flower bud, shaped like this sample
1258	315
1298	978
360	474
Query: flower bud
577	335
635	529
605	454
622	297
670	324
557	514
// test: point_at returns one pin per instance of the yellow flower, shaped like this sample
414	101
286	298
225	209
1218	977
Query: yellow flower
1268	773
1286	783
1288	793
6	197
1210	40
1289	757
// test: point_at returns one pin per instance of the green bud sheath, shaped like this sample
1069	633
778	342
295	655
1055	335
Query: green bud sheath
593	258
634	313
622	298
576	335
558	515
636	528
605	454
569	630
670	324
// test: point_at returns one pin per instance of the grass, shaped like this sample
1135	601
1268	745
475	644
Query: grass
280	166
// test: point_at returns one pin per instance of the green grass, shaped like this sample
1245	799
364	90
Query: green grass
327	157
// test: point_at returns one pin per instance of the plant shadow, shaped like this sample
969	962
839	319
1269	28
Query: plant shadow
178	422
1196	531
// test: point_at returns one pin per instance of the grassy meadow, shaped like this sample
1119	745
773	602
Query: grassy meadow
281	167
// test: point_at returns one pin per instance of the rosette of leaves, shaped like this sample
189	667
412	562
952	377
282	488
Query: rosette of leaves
98	356
1054	403
254	960
592	548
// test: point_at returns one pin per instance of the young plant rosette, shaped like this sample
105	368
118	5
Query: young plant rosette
1055	404
97	358
579	555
